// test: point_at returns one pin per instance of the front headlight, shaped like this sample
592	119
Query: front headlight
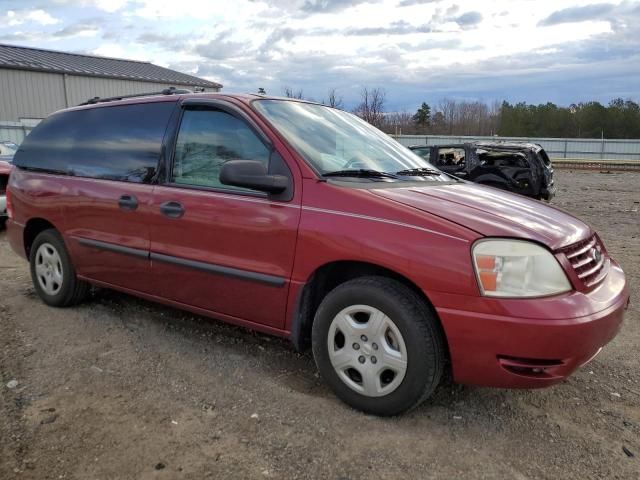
517	268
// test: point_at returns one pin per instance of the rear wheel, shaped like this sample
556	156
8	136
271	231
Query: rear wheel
377	344
52	272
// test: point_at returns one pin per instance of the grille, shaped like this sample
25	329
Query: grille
588	260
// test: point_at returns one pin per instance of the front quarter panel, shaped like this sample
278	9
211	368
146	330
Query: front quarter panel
348	224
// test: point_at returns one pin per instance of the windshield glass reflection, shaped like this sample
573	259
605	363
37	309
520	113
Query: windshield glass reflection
331	140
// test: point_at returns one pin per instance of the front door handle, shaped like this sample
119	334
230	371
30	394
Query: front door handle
128	202
172	209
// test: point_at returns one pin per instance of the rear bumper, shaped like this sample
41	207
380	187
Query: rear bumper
514	352
15	235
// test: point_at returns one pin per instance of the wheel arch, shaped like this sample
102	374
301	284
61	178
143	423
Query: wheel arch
32	229
327	277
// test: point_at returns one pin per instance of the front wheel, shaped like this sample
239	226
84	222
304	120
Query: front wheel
378	345
52	272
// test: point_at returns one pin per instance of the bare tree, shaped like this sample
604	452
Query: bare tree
334	100
438	123
495	114
399	123
289	93
448	108
371	107
466	118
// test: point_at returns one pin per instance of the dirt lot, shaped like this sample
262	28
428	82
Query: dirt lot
121	388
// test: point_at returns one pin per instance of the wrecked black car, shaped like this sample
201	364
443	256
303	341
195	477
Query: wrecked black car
523	168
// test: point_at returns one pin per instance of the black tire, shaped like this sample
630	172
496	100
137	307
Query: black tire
3	222
416	323
72	291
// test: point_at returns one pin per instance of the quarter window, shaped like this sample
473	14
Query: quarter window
207	140
108	142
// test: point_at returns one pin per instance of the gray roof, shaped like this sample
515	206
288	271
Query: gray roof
36	59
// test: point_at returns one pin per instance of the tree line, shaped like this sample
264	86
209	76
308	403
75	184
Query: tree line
618	119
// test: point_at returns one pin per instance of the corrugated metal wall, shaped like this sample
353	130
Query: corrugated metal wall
29	94
34	95
570	148
81	89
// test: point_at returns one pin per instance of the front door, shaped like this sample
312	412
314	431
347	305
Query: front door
223	249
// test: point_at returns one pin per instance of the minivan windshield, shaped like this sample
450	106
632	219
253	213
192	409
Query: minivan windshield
337	142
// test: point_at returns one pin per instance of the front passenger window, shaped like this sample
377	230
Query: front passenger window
206	140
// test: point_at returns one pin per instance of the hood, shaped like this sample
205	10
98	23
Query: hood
493	213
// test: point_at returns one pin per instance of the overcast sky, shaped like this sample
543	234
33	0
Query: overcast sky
563	51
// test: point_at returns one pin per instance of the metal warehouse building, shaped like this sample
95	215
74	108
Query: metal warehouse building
36	82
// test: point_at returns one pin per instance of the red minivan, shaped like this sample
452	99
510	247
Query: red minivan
303	221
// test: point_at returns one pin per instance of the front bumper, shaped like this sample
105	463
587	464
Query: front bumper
511	351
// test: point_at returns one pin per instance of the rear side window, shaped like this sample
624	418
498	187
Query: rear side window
209	138
48	147
114	143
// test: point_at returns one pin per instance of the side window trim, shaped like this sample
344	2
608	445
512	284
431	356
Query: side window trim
231	110
165	160
212	105
226	191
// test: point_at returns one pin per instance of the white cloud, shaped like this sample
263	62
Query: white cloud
42	17
234	11
424	46
110	5
39	16
114	50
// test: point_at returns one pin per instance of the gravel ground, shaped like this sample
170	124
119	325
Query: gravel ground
120	388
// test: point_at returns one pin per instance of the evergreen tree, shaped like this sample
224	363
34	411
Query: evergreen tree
422	118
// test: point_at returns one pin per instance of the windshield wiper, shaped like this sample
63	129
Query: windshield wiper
418	172
360	172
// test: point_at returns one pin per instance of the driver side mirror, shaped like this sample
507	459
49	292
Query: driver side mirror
252	174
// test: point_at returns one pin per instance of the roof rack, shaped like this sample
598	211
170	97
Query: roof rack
166	91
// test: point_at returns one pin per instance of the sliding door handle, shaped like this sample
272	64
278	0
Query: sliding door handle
128	202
